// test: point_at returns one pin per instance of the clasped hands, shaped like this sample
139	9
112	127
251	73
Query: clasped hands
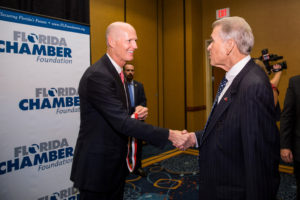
182	139
142	112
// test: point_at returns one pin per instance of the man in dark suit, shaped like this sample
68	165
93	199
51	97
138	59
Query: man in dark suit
137	98
239	146
290	128
99	165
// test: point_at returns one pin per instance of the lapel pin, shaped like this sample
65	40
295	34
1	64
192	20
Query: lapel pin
225	99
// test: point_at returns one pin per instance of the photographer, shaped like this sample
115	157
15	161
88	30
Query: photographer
274	82
276	69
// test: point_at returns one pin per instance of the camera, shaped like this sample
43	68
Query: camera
266	58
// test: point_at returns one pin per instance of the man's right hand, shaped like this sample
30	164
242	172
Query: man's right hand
181	140
286	155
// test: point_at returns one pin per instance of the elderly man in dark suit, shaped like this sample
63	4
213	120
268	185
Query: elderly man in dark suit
99	165
290	128
239	146
137	98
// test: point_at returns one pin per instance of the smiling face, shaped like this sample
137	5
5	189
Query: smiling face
217	49
122	44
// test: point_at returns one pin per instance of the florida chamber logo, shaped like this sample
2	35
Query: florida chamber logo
70	193
44	156
45	48
62	99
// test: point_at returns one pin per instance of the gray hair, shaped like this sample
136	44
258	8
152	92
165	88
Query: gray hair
239	30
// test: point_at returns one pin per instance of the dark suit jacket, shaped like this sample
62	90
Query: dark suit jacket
99	162
290	118
239	152
139	95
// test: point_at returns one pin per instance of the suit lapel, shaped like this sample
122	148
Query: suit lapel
135	88
127	94
218	111
116	77
227	99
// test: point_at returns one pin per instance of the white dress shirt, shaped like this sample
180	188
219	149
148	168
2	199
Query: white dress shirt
233	72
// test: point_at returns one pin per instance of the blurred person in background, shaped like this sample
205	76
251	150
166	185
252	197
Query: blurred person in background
290	128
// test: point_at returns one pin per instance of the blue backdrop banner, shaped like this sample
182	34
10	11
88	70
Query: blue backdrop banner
42	60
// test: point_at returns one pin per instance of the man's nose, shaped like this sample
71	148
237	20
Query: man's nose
209	47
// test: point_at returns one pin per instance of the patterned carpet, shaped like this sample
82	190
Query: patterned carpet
173	175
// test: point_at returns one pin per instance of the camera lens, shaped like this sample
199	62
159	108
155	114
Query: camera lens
264	51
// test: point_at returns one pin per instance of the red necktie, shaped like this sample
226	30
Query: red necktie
122	77
131	153
132	144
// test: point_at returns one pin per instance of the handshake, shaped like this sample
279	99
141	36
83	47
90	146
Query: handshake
182	139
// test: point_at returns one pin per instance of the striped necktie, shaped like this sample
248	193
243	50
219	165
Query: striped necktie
221	87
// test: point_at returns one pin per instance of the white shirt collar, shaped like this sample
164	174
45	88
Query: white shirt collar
130	83
235	70
118	68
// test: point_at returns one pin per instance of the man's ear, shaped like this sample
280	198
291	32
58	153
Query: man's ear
230	43
111	42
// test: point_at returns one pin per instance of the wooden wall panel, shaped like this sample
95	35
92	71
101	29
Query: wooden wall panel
173	64
195	84
102	13
142	15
